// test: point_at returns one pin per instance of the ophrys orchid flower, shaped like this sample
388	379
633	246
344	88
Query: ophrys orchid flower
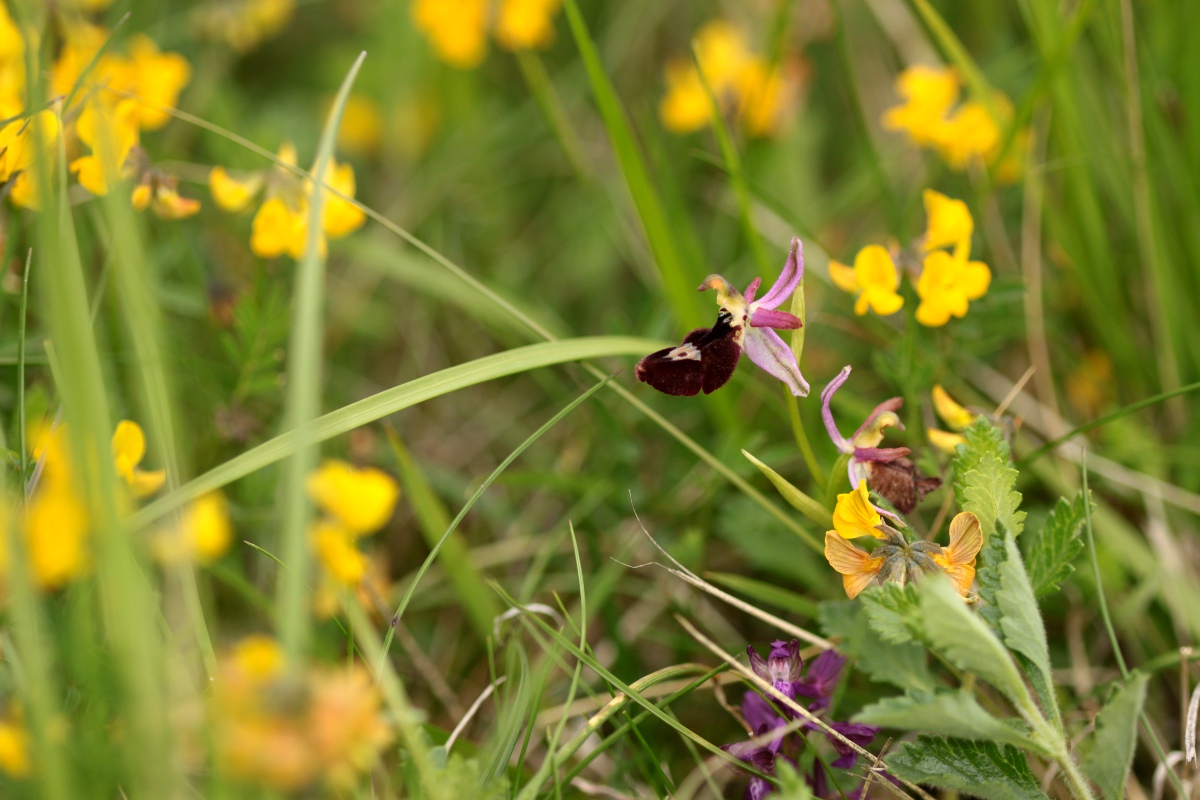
707	357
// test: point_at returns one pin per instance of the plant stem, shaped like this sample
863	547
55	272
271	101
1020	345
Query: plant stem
1074	778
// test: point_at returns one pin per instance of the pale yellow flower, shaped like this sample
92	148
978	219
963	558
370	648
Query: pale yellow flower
855	516
360	499
129	448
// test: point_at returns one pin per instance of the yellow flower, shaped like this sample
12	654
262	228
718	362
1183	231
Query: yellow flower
361	130
205	529
111	135
854	515
360	499
929	93
958	558
19	143
946	285
129	448
950	411
278	229
160	193
763	92
456	28
857	567
946	441
685	107
159	78
525	24
257	657
233	192
949	221
336	549
56	528
874	278
338	217
14	749
970	133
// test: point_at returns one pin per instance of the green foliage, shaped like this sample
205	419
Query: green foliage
798	499
894	612
981	769
945	713
988	493
1108	752
1049	556
1021	621
982	439
900	664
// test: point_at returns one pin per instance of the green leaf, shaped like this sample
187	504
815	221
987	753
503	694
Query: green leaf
1048	559
893	612
1107	753
954	713
988	494
1021	623
962	638
903	665
982	439
389	401
981	769
798	499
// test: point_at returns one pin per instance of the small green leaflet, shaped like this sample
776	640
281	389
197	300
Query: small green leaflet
990	496
1107	753
946	713
982	769
1048	558
893	612
983	439
902	665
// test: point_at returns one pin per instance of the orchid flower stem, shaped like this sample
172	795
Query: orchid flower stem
810	458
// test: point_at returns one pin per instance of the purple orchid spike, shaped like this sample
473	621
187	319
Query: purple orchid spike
821	679
708	356
781	668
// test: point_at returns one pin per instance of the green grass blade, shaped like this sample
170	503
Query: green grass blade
677	286
389	401
807	506
21	423
477	600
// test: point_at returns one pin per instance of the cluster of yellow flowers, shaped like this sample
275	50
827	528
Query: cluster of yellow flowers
56	524
123	94
743	83
960	133
895	558
281	224
356	502
948	280
293	729
458	29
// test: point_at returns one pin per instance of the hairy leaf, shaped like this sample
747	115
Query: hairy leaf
958	634
1107	753
903	665
893	612
956	713
1021	623
982	439
981	769
1049	556
989	494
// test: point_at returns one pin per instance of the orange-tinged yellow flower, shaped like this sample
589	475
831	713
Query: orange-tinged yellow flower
233	191
159	78
457	29
949	410
346	728
278	229
258	657
111	135
929	93
958	558
129	448
857	567
14	749
338	217
160	193
947	283
56	532
949	222
854	514
336	549
874	278
945	441
526	24
361	499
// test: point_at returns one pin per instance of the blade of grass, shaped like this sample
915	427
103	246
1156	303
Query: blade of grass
676	285
302	402
807	506
21	423
453	526
477	601
389	401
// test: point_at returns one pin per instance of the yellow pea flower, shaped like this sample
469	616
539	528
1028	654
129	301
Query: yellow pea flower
19	142
360	499
946	285
112	135
56	528
258	657
971	133
14	749
457	29
129	448
948	221
874	278
945	441
233	192
205	527
338	217
855	516
958	558
929	93
160	193
949	410
278	229
857	567
526	24
159	78
336	550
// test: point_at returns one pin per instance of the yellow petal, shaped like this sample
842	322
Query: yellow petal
140	199
945	441
205	528
129	443
951	412
233	193
56	528
339	217
170	205
258	657
882	301
854	515
966	538
842	277
362	500
146	482
685	107
858	569
274	229
523	24
975	279
14	750
948	220
335	549
874	268
456	28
